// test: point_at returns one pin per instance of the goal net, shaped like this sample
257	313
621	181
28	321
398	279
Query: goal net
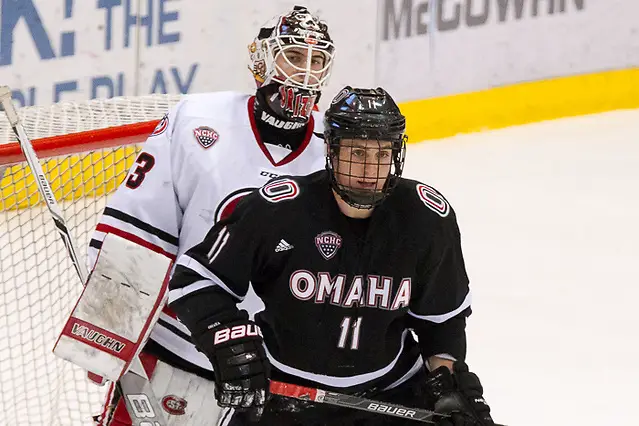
85	150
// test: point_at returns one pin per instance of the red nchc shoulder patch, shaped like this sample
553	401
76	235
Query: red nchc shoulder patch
206	136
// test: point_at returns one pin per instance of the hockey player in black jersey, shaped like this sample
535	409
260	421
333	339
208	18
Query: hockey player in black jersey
347	261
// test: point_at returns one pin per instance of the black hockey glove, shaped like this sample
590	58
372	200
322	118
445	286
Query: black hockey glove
242	371
459	395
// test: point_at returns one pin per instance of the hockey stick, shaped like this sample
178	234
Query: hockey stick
141	403
354	402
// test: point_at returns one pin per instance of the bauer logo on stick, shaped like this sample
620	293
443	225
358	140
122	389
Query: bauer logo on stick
205	136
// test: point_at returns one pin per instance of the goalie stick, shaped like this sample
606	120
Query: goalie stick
355	402
141	403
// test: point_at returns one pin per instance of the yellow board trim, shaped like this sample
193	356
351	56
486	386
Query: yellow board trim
521	104
99	173
72	177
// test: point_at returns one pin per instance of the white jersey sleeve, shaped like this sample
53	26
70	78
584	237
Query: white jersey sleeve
145	208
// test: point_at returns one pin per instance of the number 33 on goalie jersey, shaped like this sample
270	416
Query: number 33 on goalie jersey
339	300
200	160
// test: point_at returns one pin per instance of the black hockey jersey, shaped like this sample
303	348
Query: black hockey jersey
340	295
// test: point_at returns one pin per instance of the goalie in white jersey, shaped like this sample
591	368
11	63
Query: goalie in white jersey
206	153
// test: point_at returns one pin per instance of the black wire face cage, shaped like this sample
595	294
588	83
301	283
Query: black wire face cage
364	170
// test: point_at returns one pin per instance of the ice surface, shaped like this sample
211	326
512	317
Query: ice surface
549	216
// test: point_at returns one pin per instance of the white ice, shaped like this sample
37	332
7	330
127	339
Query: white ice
549	215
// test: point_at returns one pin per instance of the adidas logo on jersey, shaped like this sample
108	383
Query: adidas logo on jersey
283	246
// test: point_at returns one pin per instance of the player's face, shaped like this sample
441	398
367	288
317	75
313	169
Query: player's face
364	164
294	62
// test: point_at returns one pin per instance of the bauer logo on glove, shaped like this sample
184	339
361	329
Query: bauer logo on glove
237	332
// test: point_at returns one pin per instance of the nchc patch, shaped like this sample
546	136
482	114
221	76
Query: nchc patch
327	243
206	136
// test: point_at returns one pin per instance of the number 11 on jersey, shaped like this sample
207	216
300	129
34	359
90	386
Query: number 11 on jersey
348	324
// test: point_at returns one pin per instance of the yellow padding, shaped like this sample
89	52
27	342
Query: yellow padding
521	103
71	177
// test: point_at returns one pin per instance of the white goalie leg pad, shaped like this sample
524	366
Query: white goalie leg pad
117	309
186	398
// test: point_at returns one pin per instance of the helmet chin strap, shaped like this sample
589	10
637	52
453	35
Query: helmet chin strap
361	199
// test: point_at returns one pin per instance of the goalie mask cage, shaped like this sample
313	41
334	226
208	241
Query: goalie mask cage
85	150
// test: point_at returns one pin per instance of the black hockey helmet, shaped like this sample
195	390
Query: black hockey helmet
366	145
290	85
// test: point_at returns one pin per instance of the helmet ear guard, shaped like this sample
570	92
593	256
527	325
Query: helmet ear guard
364	116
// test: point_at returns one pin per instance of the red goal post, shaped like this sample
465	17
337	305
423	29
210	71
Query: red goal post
85	149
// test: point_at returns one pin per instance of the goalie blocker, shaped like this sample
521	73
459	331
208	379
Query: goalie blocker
114	315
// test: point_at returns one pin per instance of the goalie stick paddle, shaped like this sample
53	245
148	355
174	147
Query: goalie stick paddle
355	402
141	403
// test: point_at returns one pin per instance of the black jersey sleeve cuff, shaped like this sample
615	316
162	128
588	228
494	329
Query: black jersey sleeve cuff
200	309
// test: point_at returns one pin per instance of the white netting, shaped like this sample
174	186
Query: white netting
38	284
72	117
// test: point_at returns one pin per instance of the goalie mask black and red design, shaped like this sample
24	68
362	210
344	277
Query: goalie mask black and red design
366	145
291	60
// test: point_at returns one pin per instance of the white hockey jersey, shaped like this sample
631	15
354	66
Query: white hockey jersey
200	160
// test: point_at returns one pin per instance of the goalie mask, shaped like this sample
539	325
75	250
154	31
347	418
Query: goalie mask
366	145
291	61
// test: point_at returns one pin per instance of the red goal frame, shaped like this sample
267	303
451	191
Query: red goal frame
73	143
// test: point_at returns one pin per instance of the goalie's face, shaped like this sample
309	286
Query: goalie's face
362	166
304	67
